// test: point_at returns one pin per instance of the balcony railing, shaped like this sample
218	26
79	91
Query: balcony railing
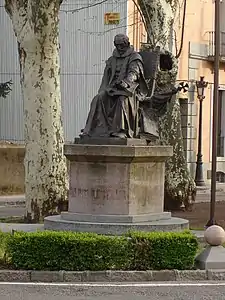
211	45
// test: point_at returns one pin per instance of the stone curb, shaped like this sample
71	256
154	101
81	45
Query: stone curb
110	276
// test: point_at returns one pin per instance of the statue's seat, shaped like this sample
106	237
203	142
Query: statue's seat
148	123
154	103
151	61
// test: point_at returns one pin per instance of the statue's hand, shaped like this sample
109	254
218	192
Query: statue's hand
123	84
174	90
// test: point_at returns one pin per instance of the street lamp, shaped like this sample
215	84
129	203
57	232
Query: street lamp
201	85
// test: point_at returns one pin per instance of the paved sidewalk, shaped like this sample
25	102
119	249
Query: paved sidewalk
8	227
12	206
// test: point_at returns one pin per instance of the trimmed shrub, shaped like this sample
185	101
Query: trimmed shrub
160	250
88	251
68	251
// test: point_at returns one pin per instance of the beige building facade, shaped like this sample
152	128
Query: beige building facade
196	59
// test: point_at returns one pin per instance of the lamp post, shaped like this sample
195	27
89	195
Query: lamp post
215	113
201	85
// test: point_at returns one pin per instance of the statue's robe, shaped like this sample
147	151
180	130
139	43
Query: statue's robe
115	108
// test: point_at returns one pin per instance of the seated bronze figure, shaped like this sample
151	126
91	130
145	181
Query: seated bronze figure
126	106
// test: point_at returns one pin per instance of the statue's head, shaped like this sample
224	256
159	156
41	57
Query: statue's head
121	42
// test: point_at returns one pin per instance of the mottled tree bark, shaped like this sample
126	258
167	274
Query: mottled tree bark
36	26
180	189
159	17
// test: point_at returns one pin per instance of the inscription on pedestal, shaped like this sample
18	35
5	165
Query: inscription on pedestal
99	188
97	193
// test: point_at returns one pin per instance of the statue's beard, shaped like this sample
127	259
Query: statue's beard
122	51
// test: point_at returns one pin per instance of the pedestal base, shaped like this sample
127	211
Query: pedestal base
116	185
76	217
60	224
212	257
85	140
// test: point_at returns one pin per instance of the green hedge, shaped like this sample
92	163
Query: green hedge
68	251
88	251
160	250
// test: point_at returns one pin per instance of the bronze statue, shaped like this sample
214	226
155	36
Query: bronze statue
129	100
114	111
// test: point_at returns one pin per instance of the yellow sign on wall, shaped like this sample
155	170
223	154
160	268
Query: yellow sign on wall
112	18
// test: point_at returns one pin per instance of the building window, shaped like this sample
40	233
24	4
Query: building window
220	177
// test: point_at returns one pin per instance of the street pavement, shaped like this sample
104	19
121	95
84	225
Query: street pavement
113	291
8	227
11	211
12	206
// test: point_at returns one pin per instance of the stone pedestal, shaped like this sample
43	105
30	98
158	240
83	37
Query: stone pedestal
212	257
116	188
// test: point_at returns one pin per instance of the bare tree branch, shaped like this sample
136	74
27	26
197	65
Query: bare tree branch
100	33
182	30
85	7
